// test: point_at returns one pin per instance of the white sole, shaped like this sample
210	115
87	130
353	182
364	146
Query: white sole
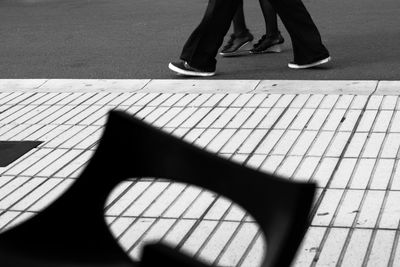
189	73
317	63
243	50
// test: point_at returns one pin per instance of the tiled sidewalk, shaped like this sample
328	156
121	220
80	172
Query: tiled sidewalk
345	135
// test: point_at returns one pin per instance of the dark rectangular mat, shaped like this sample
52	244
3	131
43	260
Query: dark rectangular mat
12	150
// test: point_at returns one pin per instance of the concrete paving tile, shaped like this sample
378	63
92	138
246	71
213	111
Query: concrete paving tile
396	253
356	145
285	100
235	213
318	119
178	232
348	209
128	198
133	233
327	208
225	117
166	199
200	205
256	117
271	163
217	242
391	213
22	190
286	142
289	166
389	102
200	100
383	120
238	245
344	101
381	248
374	102
197	238
306	169
235	142
343	173
320	144
184	202
255	256
252	142
241	100
382	174
146	199
152	235
309	247
90	85
303	143
48	198
218	209
370	209
256	100
6	217
255	161
334	119
338	144
329	101
373	145
8	96
287	118
12	85
324	172
333	246
362	174
119	225
200	86
316	87
388	88
357	248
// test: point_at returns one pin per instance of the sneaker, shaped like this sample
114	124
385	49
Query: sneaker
237	46
268	44
184	68
293	65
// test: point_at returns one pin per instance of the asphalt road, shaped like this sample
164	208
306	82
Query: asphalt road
134	39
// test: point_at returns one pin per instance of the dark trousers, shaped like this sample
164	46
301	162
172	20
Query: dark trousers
202	46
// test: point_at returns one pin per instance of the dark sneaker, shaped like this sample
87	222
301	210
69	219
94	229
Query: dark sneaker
324	60
184	68
237	46
268	44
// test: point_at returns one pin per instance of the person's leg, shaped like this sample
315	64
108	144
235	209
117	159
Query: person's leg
272	40
240	41
270	17
202	46
238	22
306	39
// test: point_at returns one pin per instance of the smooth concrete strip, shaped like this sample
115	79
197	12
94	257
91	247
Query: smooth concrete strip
13	85
92	85
201	86
347	87
388	88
